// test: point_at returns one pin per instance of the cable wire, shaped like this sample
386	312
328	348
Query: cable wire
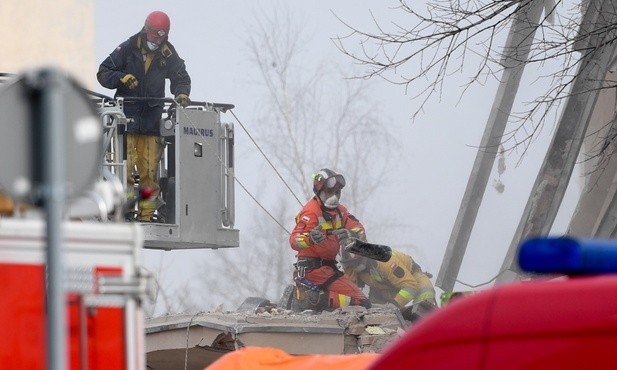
186	351
481	284
264	155
261	206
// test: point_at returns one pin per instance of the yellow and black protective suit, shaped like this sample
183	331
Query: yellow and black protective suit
399	281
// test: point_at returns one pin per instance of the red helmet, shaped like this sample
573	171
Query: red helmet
157	27
326	178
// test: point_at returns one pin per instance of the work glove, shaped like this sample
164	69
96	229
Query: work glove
129	81
342	234
316	236
183	100
347	244
344	237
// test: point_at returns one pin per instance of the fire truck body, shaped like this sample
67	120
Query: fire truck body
104	290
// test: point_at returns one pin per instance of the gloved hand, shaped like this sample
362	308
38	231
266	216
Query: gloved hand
316	236
129	81
183	100
342	234
347	244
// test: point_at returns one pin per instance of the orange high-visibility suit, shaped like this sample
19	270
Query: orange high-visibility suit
343	292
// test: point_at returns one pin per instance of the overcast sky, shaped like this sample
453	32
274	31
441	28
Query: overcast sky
439	147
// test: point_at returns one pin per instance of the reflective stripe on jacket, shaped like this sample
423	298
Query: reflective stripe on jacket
395	280
312	215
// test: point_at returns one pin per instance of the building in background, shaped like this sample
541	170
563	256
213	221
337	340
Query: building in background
57	33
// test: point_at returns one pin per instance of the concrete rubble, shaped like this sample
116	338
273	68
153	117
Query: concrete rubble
193	341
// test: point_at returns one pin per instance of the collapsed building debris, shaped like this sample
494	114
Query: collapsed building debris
193	341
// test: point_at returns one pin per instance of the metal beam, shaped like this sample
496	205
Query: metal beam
607	222
554	175
515	55
600	168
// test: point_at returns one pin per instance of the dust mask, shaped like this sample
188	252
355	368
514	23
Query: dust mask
152	46
331	202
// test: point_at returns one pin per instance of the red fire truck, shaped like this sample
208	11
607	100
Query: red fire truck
105	287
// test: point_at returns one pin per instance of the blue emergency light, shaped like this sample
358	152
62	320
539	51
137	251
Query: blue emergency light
567	255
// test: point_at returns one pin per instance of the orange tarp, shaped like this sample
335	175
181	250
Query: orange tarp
265	358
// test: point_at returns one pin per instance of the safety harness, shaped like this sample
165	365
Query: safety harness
310	263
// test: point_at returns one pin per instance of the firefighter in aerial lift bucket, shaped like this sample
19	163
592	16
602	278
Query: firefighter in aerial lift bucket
138	68
392	277
320	226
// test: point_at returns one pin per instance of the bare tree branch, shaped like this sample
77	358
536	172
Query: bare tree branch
441	37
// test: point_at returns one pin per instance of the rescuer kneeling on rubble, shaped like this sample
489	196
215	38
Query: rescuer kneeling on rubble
319	227
400	280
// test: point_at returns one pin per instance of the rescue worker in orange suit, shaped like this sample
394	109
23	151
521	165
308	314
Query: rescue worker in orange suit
139	68
320	226
400	281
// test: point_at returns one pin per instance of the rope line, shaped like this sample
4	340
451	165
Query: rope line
481	284
266	157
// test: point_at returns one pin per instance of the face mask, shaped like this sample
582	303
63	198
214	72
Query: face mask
331	202
152	46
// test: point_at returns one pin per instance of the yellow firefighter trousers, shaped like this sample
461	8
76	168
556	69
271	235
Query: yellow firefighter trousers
144	151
